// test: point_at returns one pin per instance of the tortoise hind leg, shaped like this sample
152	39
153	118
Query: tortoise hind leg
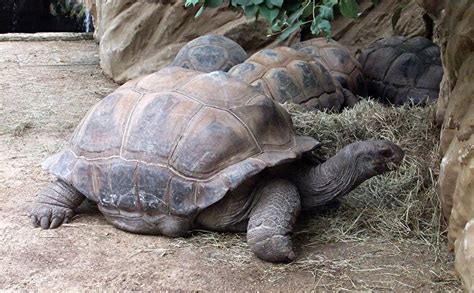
55	205
272	220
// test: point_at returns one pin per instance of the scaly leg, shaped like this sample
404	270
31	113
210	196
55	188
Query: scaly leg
55	205
272	221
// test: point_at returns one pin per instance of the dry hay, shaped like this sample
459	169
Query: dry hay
400	205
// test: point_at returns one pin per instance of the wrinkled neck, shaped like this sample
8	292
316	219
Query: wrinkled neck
319	184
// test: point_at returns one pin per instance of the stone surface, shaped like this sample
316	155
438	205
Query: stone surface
375	22
465	256
457	141
456	180
44	37
135	41
140	37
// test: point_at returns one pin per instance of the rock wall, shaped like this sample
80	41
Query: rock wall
465	256
456	108
140	37
375	21
457	139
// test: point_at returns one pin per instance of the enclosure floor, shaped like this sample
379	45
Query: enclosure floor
45	89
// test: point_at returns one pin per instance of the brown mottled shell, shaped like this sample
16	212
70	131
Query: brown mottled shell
338	60
401	70
285	74
210	53
175	142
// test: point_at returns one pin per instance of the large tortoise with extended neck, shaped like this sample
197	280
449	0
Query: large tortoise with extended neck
179	150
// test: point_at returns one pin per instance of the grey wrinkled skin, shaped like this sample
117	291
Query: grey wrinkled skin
267	207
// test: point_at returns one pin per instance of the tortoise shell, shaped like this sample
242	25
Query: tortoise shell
175	142
399	69
210	53
285	74
338	60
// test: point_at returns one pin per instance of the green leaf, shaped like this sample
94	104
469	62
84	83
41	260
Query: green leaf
191	2
276	27
213	3
269	14
258	2
308	10
330	3
349	8
277	3
241	2
269	4
250	10
319	26
326	12
199	12
289	30
295	16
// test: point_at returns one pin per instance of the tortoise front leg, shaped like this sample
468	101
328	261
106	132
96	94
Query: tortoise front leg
272	220
55	205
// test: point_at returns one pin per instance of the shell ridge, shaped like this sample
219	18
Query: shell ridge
190	96
296	79
183	132
127	124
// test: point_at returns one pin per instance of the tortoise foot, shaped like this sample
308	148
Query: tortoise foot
49	216
278	248
55	205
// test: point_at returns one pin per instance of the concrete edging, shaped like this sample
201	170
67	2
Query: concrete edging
41	37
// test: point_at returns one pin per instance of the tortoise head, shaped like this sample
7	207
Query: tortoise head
319	184
374	157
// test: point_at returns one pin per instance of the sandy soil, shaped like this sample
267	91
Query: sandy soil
45	89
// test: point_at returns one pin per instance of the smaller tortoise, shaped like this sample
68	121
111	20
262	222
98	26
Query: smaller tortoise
400	70
180	150
285	74
338	60
210	53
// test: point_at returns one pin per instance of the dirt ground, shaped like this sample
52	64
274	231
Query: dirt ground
45	89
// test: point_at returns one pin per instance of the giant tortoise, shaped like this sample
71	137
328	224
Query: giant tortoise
210	53
402	70
338	60
287	75
180	150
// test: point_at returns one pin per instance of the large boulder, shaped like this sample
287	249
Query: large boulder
465	256
456	108
140	37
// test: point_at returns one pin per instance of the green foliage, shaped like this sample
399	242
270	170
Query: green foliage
287	16
68	9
